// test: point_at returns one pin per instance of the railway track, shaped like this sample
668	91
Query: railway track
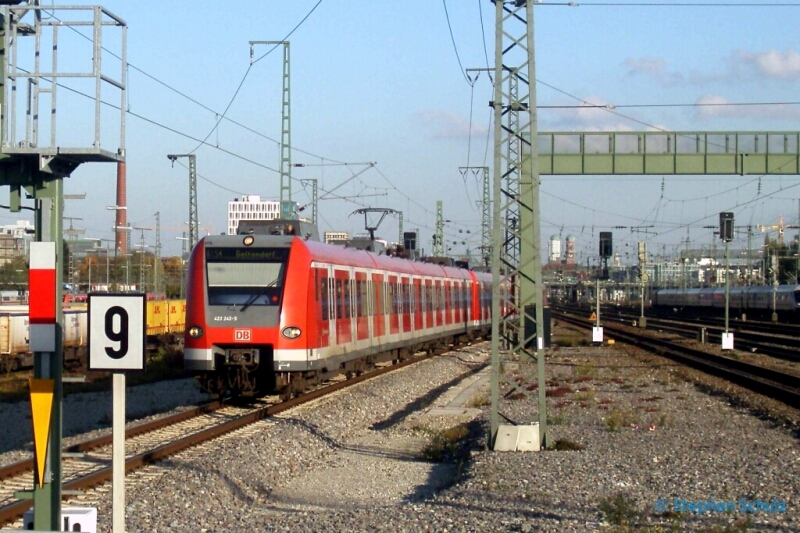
88	464
781	341
778	385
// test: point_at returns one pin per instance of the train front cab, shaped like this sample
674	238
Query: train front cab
234	321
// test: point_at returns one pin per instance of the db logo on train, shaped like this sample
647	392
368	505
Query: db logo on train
241	334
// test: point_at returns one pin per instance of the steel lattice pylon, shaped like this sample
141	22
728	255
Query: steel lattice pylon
516	264
438	236
287	208
193	224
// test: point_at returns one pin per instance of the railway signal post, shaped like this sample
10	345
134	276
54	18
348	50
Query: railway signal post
726	234
35	156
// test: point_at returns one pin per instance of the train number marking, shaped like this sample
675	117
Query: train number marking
226	318
241	335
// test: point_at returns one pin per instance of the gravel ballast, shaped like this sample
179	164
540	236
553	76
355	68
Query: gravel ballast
651	437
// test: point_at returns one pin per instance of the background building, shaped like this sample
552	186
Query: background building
251	207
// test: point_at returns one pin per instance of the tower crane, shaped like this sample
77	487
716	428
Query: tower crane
780	227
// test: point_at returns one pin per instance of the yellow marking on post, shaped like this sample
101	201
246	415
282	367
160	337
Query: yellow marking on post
41	412
593	317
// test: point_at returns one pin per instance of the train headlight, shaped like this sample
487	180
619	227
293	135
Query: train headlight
249	240
195	332
291	332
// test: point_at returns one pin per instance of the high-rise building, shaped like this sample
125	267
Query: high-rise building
555	249
251	207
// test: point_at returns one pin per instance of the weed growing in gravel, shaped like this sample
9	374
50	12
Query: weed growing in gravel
584	371
556	420
566	445
618	419
619	510
444	444
566	342
479	400
664	421
587	396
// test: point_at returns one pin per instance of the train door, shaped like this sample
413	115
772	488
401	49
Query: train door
449	307
342	305
361	311
394	305
378	306
436	289
331	311
323	310
419	304
406	295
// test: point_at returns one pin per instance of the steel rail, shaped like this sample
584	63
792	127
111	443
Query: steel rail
778	385
773	341
13	511
26	465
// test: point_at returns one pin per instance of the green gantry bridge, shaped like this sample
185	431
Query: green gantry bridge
678	153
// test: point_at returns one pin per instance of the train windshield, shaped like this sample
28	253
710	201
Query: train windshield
245	277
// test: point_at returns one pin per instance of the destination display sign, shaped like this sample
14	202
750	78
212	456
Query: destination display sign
232	255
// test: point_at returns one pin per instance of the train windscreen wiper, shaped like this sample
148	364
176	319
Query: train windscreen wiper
258	295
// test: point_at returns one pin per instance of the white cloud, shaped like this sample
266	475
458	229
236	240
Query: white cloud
773	64
714	106
598	114
448	125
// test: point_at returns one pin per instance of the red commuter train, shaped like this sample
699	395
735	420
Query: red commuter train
278	313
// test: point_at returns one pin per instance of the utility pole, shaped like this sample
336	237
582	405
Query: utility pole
438	236
192	195
486	212
515	210
157	261
726	229
287	208
400	237
142	248
643	277
314	202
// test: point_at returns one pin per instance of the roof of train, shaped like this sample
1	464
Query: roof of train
321	251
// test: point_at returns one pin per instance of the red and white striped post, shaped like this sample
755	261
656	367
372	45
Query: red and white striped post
42	297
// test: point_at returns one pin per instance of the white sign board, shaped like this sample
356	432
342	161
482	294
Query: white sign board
117	329
727	340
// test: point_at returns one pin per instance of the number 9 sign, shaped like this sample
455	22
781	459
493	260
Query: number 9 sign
116	331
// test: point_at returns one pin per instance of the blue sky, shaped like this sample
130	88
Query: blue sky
380	82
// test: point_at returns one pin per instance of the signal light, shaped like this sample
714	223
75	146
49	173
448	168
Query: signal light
605	244
726	226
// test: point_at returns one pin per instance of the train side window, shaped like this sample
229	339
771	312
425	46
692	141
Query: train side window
365	299
348	304
323	296
359	303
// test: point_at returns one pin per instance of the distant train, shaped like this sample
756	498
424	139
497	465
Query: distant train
273	313
754	300
165	324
